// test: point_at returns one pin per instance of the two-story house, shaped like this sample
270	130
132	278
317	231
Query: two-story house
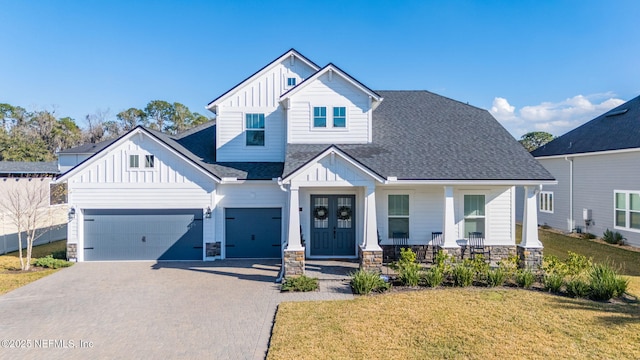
304	161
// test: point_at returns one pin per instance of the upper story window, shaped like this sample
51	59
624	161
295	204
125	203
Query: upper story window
320	116
398	212
149	161
627	210
474	214
134	161
546	201
340	116
255	129
291	82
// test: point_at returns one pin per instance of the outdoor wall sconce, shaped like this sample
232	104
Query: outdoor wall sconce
72	214
207	213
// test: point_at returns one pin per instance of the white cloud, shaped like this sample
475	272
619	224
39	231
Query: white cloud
554	117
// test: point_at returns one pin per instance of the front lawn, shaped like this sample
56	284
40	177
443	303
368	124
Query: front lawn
474	323
10	275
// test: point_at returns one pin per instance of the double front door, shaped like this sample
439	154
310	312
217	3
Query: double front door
333	225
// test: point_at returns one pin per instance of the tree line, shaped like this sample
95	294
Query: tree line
37	135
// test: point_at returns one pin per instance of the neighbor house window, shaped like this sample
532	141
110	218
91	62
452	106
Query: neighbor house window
319	116
398	211
291	81
339	116
627	210
545	203
148	161
134	161
255	129
57	194
474	214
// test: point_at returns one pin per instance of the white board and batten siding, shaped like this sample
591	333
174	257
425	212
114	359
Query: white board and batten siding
329	92
260	96
108	183
426	210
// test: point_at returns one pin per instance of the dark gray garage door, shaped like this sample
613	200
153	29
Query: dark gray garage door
143	234
253	233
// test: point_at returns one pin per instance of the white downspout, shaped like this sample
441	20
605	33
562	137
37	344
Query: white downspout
572	225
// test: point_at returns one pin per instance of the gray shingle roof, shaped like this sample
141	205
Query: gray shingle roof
614	130
88	148
23	167
419	135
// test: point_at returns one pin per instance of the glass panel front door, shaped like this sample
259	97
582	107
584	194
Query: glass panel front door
332	225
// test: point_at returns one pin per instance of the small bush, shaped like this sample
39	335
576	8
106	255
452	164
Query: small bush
496	277
433	277
407	267
588	236
621	286
553	282
525	278
301	283
509	266
51	263
613	237
462	275
578	287
60	254
480	267
552	265
604	282
577	264
364	282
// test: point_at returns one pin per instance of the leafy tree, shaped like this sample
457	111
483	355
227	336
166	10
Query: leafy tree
160	114
535	139
131	118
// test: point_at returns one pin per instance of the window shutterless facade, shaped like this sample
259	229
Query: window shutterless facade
627	210
134	161
254	125
398	215
474	214
339	117
319	117
545	201
149	161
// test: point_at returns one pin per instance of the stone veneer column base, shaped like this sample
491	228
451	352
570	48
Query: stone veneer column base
72	251
293	263
530	258
456	253
370	260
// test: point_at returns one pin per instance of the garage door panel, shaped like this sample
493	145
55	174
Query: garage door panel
143	235
253	232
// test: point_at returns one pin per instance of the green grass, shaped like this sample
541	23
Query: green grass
10	275
43	250
627	262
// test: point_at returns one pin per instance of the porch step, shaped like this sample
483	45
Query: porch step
331	270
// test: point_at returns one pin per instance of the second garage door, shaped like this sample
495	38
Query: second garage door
143	234
253	232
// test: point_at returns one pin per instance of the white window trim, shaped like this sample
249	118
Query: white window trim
385	234
626	210
540	203
244	129
329	126
141	161
463	218
285	81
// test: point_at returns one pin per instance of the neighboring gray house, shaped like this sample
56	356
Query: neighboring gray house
303	162
597	166
16	175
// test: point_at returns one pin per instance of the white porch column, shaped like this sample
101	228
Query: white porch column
448	221
530	219
293	241
370	221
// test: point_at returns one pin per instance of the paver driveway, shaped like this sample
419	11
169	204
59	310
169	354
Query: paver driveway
144	310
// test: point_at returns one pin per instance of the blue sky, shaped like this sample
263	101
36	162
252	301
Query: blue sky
536	65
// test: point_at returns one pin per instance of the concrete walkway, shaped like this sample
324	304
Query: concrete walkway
138	310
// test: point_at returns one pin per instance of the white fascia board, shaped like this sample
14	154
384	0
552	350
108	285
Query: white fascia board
608	152
471	182
337	71
126	137
267	68
344	156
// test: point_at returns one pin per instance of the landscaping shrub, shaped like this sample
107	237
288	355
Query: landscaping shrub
588	236
553	265
433	277
577	264
621	286
525	278
480	267
51	263
301	283
364	282
407	267
60	254
604	282
613	237
462	275
578	287
509	266
553	282
496	277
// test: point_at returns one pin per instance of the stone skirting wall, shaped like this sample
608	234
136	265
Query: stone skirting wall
293	263
72	251
425	253
530	258
370	260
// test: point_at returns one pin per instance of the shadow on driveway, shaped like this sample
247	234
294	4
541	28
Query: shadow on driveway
263	270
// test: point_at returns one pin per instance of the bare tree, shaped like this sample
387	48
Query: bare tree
25	204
